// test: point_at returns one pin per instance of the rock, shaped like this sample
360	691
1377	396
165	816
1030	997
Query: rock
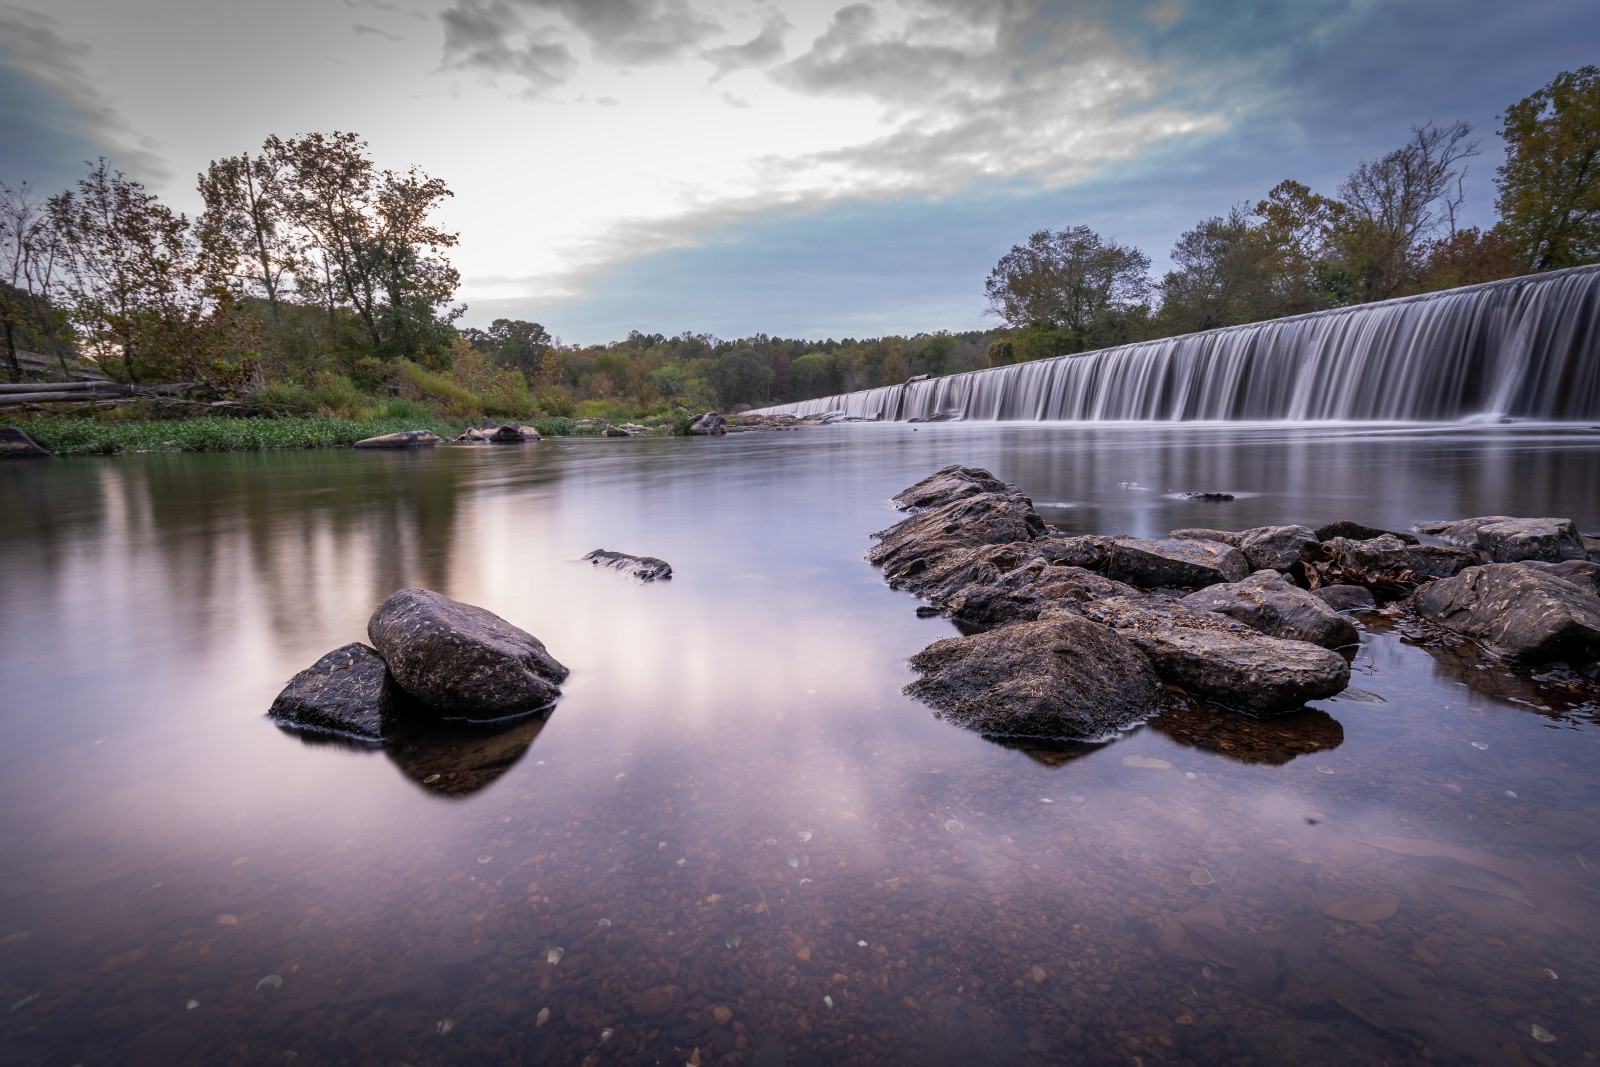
1214	498
659	1002
1549	540
1174	563
511	434
1200	533
709	424
1355	531
16	444
1519	610
942	573
1388	560
1215	657
403	439
954	482
461	659
1266	602
1063	678
472	435
644	568
633	429
1278	547
616	431
1580	572
341	692
1346	597
928	537
1591	545
1461	531
1088	551
1028	592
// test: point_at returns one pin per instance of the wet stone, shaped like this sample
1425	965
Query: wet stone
1201	533
644	568
1346	597
1518	610
657	1003
402	439
1266	602
341	692
1356	531
954	482
1547	540
1174	563
1278	548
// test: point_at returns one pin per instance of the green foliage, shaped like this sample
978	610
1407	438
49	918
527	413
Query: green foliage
1550	182
1070	280
1001	353
78	436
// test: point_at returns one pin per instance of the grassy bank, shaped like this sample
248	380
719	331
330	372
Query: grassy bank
69	435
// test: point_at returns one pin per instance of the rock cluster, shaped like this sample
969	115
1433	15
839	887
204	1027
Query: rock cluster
1073	629
431	657
710	424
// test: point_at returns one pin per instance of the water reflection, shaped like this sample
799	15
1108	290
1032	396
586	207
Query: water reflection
1271	741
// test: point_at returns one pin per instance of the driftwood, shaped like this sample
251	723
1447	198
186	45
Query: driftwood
79	392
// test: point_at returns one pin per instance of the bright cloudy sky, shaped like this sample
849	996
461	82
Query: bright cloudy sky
798	167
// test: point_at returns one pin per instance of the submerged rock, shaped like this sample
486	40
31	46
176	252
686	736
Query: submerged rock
1215	657
1278	547
462	659
1266	602
1519	610
1063	677
403	439
16	444
1214	498
1173	563
644	568
341	692
1548	540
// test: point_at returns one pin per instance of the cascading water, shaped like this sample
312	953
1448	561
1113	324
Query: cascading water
1524	347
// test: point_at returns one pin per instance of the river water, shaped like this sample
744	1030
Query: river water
734	840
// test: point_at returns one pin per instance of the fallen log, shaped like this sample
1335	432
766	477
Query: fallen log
56	387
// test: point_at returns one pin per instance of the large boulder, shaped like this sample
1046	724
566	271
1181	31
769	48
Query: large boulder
1548	540
644	568
1278	548
1266	602
1028	592
1064	678
912	545
1225	661
1519	610
461	659
1356	531
1174	563
16	444
403	439
512	434
1580	572
954	482
1459	531
711	424
342	692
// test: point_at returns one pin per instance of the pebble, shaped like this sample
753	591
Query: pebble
1541	1035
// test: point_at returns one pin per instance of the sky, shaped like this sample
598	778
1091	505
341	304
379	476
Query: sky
802	168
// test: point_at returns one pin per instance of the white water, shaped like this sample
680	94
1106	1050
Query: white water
1525	347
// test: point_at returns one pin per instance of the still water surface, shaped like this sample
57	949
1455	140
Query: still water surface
734	839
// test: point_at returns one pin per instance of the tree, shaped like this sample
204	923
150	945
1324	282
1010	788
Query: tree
1549	200
742	377
1222	276
245	207
1395	205
1072	280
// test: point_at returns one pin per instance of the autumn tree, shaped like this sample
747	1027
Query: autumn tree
244	200
1549	185
1073	281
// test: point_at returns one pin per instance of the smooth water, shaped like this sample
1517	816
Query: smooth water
733	836
1524	347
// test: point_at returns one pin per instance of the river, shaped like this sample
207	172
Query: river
734	840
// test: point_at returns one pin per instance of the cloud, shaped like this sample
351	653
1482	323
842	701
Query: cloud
764	48
391	8
492	36
361	29
38	49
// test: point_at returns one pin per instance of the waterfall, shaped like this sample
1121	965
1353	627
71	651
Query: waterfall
1523	347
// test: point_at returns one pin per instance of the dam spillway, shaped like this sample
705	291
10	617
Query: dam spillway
1525	347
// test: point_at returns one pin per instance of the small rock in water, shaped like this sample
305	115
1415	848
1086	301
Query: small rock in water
954	825
1479	745
1214	498
1149	763
1541	1035
444	1027
1201	876
542	1018
271	981
792	860
644	568
604	924
554	955
804	835
770	842
192	1005
733	940
828	1001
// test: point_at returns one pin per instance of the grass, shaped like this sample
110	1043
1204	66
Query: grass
69	435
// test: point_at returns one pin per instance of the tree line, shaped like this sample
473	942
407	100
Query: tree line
313	278
1390	229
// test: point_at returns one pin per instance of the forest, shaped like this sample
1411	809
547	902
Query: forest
315	282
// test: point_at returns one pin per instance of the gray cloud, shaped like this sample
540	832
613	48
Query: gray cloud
391	8
361	29
528	38
38	49
765	47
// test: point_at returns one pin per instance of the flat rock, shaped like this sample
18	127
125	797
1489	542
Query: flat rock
1279	547
1461	531
1548	540
954	482
1580	572
1346	597
1209	497
1519	610
1388	560
1062	678
1266	602
1356	531
402	439
1029	591
1201	533
1174	563
342	692
644	568
16	444
461	659
911	546
1222	660
659	1002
